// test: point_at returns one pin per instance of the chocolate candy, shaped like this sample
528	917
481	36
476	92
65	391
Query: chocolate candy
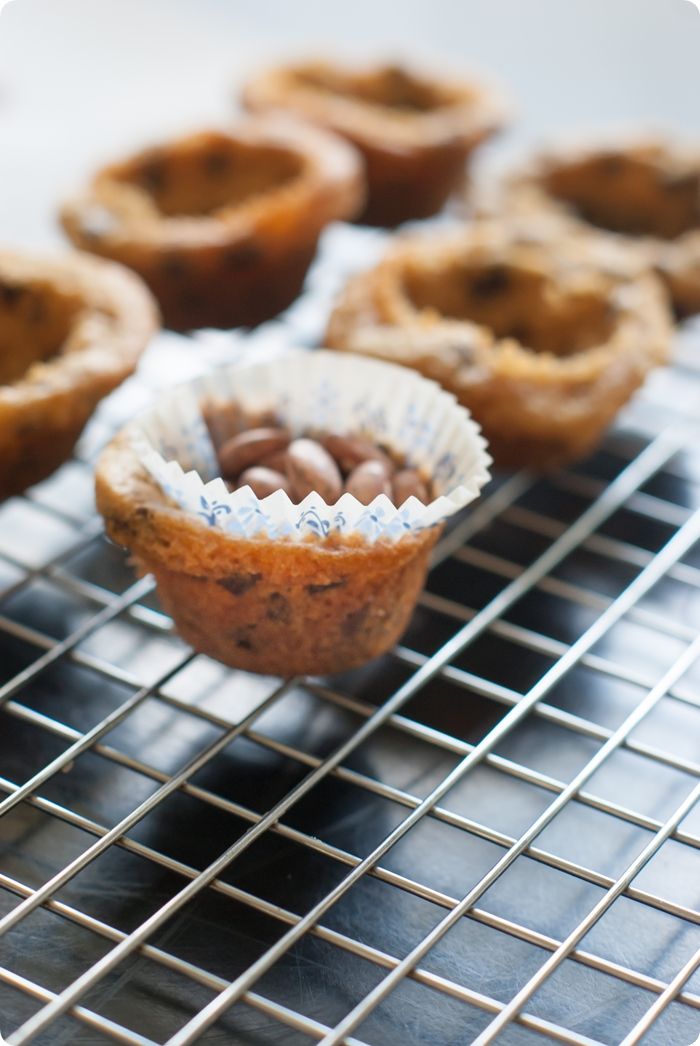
250	447
276	461
351	451
368	480
265	458
311	468
409	483
263	481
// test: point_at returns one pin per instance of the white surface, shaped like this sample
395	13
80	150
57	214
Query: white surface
81	80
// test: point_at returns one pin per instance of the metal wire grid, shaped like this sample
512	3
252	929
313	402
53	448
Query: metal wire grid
373	709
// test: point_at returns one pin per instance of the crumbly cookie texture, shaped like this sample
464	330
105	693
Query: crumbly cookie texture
647	192
543	338
72	329
279	607
415	130
221	226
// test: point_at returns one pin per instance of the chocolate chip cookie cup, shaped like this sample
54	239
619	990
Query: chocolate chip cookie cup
543	338
271	584
222	226
416	131
72	329
647	191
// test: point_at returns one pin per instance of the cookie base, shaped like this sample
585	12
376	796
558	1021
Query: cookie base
269	621
406	186
226	289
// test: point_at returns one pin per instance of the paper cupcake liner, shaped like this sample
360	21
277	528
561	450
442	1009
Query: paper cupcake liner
330	392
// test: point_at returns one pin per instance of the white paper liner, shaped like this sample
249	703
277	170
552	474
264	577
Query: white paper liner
331	392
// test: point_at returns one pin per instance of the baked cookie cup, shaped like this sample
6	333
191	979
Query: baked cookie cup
222	226
647	191
72	328
542	338
275	585
416	131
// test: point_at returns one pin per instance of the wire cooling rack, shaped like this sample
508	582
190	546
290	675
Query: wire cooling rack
491	834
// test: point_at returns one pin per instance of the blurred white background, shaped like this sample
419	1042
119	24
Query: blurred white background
80	80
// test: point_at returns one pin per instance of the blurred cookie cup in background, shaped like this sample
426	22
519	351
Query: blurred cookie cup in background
643	190
416	130
542	336
72	328
222	225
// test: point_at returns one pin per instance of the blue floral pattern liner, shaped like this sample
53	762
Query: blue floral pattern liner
332	392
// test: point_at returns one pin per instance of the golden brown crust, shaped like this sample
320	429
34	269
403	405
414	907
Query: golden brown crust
461	308
280	607
222	226
646	191
414	131
73	329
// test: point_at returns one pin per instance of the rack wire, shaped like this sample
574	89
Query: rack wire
489	835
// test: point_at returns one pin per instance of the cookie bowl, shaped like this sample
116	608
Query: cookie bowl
222	225
542	337
646	191
278	584
415	130
72	328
